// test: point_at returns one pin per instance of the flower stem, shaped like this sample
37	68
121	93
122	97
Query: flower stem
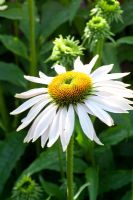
32	38
70	169
99	50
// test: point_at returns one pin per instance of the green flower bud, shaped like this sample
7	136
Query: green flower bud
96	29
109	9
65	50
26	189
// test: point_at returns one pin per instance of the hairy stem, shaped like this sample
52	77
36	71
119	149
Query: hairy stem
70	169
32	38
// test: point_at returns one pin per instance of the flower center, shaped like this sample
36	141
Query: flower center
70	87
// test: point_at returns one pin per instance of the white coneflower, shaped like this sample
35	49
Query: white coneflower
81	91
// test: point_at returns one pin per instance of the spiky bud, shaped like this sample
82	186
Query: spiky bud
65	50
26	189
96	29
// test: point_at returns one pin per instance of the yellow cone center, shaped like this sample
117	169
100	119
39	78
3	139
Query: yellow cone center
70	87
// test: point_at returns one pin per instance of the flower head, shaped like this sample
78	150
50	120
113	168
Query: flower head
80	91
96	29
66	50
109	9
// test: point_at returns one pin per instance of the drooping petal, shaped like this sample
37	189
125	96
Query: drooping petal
62	126
96	139
32	135
32	114
31	93
107	105
29	103
85	121
44	137
54	129
100	113
59	69
69	126
116	91
44	121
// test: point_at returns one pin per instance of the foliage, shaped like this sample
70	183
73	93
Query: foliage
100	172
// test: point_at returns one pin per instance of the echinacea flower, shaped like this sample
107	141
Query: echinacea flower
81	91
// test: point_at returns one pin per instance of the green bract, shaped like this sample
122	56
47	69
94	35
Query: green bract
97	28
66	50
26	188
109	9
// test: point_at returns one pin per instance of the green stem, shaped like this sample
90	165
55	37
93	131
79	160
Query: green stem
60	160
3	110
99	50
32	38
70	169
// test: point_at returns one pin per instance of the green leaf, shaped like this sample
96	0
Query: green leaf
15	45
11	73
52	189
114	135
49	160
74	6
125	40
10	152
92	177
104	153
127	196
12	13
110	56
50	22
115	180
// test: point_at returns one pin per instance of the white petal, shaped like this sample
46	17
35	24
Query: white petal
69	126
54	129
44	121
102	70
85	121
36	80
78	65
31	93
96	139
59	69
116	91
98	112
4	7
36	122
32	114
29	103
46	78
109	77
107	105
62	126
44	138
88	67
111	83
